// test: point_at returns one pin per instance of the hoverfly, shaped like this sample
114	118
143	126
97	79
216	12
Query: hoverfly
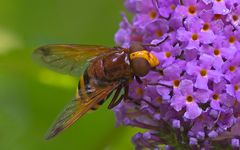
102	71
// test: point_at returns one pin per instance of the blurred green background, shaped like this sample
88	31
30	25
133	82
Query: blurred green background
31	96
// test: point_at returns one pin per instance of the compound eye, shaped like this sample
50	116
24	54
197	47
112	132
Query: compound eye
140	67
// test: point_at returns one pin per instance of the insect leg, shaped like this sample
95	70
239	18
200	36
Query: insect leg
126	90
118	101
138	80
181	2
183	22
115	101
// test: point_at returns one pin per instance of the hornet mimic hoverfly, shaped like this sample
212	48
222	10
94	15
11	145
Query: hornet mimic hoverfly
102	72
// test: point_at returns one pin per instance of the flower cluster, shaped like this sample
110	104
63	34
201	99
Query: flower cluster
193	100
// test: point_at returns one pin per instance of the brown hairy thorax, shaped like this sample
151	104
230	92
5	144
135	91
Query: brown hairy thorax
140	66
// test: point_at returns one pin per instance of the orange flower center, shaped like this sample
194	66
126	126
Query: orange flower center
215	97
176	83
159	99
206	26
194	36
236	87
232	68
153	14
216	52
172	7
217	16
159	33
235	17
203	72
231	39
168	54
189	99
139	91
192	10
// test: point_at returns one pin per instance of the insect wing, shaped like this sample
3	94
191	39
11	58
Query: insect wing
78	107
68	59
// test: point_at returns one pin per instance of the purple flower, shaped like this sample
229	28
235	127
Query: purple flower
233	89
231	67
187	98
233	17
167	7
209	23
235	142
219	6
136	91
122	37
200	123
138	6
232	38
155	29
217	52
201	28
195	35
176	123
212	134
190	8
203	72
167	54
193	141
192	98
226	119
218	97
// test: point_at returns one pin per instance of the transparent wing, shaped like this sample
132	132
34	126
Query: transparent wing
78	107
68	59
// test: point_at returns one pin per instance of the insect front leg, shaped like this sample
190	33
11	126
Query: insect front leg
138	79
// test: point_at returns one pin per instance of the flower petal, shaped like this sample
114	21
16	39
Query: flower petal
186	87
192	111
178	102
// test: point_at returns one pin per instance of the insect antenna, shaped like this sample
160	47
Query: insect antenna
161	84
155	45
